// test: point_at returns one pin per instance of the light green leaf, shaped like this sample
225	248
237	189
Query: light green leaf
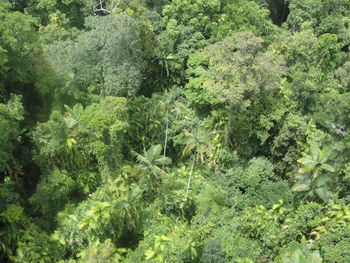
314	151
306	169
164	160
150	254
301	187
327	167
306	160
324	155
321	180
322	193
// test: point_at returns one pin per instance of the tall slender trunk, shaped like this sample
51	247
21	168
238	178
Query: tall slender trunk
103	89
227	131
229	124
166	135
190	176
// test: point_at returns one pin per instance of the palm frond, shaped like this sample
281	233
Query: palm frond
163	161
188	148
324	155
306	160
153	152
327	167
314	151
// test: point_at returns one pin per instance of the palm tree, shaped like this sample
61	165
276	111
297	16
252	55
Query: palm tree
165	104
168	105
150	161
312	177
198	143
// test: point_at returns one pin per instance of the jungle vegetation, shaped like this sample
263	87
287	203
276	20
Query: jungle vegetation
174	131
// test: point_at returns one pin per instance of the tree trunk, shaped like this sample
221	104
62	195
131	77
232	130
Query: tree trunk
228	125
190	176
166	136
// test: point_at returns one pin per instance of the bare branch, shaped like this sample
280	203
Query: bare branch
99	7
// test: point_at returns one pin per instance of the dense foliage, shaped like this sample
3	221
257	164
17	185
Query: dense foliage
175	131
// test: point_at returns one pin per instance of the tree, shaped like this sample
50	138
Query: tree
242	15
151	160
13	222
82	137
99	252
320	16
75	11
239	70
11	115
197	142
166	103
18	40
36	245
236	72
312	177
158	247
105	60
53	192
245	81
113	209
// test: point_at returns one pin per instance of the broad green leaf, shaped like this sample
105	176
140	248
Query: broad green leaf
193	252
154	151
301	187
322	193
327	167
324	155
314	151
321	180
306	160
164	160
306	169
